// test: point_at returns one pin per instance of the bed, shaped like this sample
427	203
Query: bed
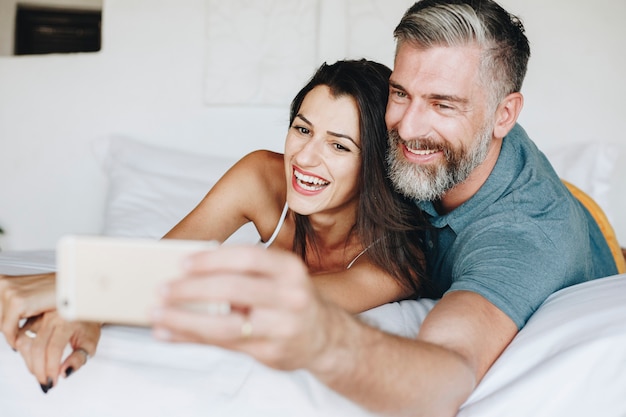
567	361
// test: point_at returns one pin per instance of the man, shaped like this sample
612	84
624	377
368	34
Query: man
508	233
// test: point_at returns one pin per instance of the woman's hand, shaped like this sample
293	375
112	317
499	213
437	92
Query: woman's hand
276	315
43	339
22	297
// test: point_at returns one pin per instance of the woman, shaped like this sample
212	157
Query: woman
327	199
324	197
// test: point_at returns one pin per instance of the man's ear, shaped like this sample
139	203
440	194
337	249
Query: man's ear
506	114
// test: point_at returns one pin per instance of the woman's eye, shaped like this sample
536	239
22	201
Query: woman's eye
340	147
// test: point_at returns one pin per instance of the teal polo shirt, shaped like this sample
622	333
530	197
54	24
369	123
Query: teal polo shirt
520	238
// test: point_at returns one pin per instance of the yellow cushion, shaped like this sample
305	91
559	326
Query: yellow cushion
603	223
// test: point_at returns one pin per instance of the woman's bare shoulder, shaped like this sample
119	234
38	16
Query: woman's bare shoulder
258	163
265	188
263	156
267	166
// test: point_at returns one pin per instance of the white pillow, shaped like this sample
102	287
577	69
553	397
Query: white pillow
151	188
589	166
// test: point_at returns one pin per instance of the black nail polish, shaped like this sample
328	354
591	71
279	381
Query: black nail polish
69	371
48	386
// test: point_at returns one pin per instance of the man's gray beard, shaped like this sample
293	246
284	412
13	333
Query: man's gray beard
430	183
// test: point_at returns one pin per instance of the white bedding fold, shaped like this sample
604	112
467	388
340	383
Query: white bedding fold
27	262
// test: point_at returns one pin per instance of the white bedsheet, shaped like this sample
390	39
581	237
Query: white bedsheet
568	361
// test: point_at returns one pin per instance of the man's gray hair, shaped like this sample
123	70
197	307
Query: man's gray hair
482	23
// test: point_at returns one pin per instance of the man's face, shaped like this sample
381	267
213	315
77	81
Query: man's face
439	129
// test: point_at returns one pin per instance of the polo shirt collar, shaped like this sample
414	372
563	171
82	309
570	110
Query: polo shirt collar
503	174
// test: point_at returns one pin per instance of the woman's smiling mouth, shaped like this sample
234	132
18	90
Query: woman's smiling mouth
309	182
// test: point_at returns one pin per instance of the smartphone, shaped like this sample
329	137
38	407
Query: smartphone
115	280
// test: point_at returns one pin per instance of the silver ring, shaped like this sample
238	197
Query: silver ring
30	334
246	328
84	352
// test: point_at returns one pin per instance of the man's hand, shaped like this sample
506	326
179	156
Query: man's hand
275	311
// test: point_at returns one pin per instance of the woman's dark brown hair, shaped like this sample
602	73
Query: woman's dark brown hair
387	223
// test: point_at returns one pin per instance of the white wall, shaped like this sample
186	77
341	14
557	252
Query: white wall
147	82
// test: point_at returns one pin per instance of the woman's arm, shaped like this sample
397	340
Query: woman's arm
252	190
239	196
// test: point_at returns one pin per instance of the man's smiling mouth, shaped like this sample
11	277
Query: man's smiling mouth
422	152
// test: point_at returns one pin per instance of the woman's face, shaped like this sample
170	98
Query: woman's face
323	154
